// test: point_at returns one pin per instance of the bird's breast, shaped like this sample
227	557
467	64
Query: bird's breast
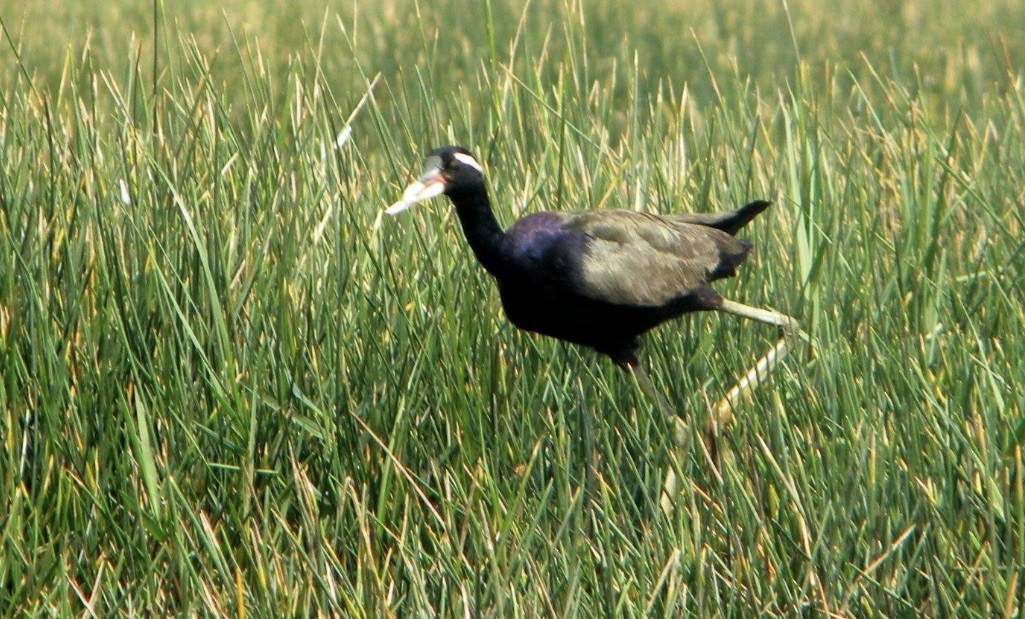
539	245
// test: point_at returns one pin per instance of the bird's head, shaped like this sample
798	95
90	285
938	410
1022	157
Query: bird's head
447	170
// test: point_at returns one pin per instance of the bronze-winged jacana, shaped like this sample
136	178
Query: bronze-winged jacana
601	278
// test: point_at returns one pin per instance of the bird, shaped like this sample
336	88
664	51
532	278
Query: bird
601	278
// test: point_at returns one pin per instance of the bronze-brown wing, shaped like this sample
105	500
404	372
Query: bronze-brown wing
645	260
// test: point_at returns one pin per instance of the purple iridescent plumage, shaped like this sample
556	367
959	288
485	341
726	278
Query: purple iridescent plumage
595	278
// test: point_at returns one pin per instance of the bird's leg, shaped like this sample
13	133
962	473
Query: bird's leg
660	402
679	429
644	382
590	477
722	413
769	317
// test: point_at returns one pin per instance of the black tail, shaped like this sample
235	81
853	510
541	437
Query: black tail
730	222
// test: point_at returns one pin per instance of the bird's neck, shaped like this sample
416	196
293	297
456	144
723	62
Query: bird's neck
481	228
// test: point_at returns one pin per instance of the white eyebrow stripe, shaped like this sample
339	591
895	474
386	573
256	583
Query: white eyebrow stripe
468	160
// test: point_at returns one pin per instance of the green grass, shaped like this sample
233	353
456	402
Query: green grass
241	391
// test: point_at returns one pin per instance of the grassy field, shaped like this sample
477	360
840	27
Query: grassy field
230	387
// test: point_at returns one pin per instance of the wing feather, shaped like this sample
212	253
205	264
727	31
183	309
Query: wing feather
644	260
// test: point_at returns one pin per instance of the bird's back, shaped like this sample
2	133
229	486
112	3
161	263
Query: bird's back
646	260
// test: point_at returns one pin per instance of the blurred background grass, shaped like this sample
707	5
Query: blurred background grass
229	387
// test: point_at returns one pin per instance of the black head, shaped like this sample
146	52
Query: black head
448	170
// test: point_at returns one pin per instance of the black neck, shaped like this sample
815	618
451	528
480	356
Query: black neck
480	226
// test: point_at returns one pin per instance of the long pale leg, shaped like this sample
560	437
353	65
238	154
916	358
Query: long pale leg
649	389
722	413
590	476
769	317
679	429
